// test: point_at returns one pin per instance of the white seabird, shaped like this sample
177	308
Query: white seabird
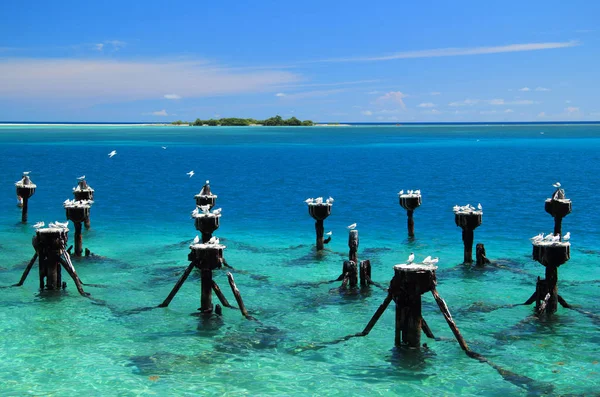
411	258
191	173
111	154
39	225
328	233
567	236
26	173
479	207
196	240
557	185
434	261
427	260
351	227
81	178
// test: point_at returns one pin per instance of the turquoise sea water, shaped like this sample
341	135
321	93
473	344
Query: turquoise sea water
64	344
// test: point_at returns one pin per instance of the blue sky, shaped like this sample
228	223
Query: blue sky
321	60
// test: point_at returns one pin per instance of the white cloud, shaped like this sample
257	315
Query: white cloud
367	112
99	46
172	96
110	80
541	114
466	102
516	102
435	93
449	52
431	111
394	97
524	89
488	112
542	89
280	94
572	109
426	105
509	111
311	94
567	101
159	113
116	44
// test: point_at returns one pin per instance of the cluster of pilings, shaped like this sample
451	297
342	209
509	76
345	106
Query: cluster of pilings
352	269
25	189
207	255
84	192
50	251
551	251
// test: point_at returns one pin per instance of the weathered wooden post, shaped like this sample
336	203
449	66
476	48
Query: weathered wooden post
558	206
410	201
50	249
206	222
207	257
410	281
480	256
353	245
551	255
319	211
78	212
84	192
468	219
205	197
25	189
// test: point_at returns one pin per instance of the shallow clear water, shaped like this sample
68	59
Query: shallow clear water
63	344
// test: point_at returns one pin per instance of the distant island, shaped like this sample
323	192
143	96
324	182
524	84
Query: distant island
233	121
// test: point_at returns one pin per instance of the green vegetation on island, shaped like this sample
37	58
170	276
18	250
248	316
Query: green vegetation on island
233	121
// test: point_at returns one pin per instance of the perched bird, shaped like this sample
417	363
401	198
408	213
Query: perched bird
196	240
427	260
111	154
401	192
61	224
456	208
38	225
434	260
418	192
319	200
557	185
205	209
309	200
479	207
537	238
567	236
411	258
191	173
351	227
329	200
549	237
556	238
328	233
81	178
195	212
213	240
26	173
217	211
207	182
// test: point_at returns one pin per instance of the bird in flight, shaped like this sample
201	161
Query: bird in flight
191	173
328	233
111	154
164	147
351	227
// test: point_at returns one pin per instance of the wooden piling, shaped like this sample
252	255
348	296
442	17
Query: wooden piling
238	297
77	212
410	202
207	224
353	245
25	189
558	206
551	255
319	212
480	257
84	192
468	221
206	197
365	273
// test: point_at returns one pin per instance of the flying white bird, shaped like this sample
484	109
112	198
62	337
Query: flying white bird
328	233
567	236
81	178
164	147
191	173
111	154
351	227
479	207
38	225
411	258
557	185
196	240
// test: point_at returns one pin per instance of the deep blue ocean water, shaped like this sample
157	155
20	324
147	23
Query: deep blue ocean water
64	344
